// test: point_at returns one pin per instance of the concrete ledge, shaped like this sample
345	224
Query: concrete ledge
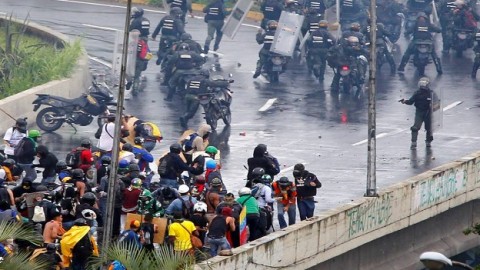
352	226
20	105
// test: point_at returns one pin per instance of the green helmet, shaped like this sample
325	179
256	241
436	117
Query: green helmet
34	133
211	150
146	193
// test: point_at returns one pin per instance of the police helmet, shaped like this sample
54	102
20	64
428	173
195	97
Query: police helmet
258	172
459	3
272	25
175	148
422	14
184	47
355	27
424	83
78	174
323	24
127	147
86	143
89	198
139	140
185	36
176	11
106	160
137	12
353	41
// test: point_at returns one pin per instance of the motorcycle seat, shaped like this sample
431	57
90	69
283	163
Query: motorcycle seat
75	101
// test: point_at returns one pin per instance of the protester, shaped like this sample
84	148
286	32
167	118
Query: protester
307	184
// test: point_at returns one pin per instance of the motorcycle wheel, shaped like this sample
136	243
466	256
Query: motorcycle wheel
274	77
421	70
226	115
346	86
44	121
212	121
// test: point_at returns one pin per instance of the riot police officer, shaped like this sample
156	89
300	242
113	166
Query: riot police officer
184	5
184	61
318	44
382	35
352	11
445	12
355	32
310	23
293	6
271	9
266	39
422	99
316	5
422	31
420	6
215	14
139	22
194	46
388	13
171	27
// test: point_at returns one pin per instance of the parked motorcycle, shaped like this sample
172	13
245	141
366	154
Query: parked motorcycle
462	40
275	65
79	111
421	57
216	103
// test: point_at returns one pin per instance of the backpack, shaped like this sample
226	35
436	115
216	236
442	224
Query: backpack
83	248
163	164
187	208
73	158
143	52
19	150
257	190
116	265
188	142
147	234
39	213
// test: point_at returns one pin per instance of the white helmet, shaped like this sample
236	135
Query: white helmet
200	207
89	214
424	83
244	191
182	189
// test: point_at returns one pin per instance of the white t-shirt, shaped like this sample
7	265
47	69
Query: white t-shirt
106	138
13	137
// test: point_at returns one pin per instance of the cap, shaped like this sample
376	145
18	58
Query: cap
135	224
227	211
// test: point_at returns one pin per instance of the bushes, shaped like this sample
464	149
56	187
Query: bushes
26	62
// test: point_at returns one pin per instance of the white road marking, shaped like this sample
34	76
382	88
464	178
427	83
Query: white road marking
454	104
287	169
381	135
267	105
98	60
100	27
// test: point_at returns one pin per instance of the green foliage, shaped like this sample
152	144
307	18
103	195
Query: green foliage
156	3
26	62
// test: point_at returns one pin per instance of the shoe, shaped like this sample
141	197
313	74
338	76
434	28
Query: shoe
256	74
413	146
439	71
158	62
205	49
128	85
215	47
168	99
428	144
183	123
401	69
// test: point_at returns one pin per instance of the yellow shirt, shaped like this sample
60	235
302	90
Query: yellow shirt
182	237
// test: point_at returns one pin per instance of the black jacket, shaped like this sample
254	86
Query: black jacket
260	160
175	166
48	161
28	152
304	189
422	99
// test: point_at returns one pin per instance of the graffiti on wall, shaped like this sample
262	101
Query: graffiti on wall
368	217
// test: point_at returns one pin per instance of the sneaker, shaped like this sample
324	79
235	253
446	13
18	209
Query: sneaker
256	74
428	144
413	146
215	47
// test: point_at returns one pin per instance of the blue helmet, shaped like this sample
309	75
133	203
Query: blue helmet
211	164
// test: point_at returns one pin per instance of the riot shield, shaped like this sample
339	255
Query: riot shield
239	12
286	36
133	37
437	109
117	54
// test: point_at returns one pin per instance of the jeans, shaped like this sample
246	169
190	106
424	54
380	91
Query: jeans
291	212
305	207
149	145
216	243
30	172
173	183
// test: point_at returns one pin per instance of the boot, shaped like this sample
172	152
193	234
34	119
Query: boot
428	144
183	123
413	146
206	49
257	73
215	47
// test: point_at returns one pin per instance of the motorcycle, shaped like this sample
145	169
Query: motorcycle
274	66
216	103
462	40
79	111
350	76
421	57
316	62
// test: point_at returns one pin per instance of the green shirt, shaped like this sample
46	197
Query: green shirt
250	203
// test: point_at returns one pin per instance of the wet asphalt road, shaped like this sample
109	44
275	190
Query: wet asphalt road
305	124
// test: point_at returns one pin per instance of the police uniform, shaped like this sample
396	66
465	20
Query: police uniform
184	62
445	10
171	28
318	44
422	99
267	40
351	11
184	5
271	9
382	33
214	16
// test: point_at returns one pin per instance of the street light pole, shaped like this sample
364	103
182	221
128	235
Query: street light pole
372	142
108	226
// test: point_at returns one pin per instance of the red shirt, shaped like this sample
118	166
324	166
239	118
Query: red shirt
130	200
86	160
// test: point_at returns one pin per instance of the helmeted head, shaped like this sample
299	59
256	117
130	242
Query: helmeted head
211	164
137	12
184	47
175	148
353	42
244	191
211	150
89	198
138	140
298	169
200	207
355	27
424	83
86	143
9	163
106	160
258	172
34	134
422	16
266	179
183	189
133	167
176	12
89	215
136	183
127	147
185	37
78	174
272	25
323	24
21	125
459	3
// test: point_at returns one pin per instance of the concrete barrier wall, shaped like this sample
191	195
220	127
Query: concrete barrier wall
345	228
20	105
